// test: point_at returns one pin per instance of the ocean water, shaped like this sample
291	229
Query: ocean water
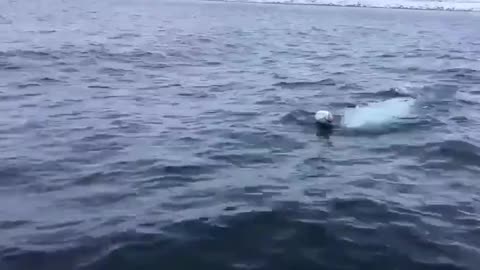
451	5
180	135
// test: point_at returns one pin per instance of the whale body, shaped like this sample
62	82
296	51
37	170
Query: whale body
372	115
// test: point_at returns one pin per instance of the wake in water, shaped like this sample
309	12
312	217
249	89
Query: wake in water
378	114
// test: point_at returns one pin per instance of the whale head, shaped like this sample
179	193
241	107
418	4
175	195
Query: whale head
324	117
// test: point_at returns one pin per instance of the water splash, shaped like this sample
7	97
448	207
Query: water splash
378	114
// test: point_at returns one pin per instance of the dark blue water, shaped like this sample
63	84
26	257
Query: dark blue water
180	135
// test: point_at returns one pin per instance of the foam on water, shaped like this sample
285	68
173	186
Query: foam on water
461	5
378	114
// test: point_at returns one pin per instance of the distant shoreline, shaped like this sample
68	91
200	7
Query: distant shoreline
345	6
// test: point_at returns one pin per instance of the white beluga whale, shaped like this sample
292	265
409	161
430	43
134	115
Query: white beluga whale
324	117
371	116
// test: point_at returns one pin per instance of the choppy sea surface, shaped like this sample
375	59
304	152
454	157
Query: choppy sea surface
450	5
180	135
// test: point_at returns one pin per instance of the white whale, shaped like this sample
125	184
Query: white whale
372	115
324	117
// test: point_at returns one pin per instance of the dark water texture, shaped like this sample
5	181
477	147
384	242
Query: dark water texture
179	135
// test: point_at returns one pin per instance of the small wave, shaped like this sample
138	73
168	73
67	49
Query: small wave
213	63
27	85
47	31
205	40
387	55
343	105
99	87
390	93
452	57
260	140
460	119
279	76
352	233
97	199
113	71
447	154
6	225
437	93
126	36
4	20
244	159
350	86
463	75
153	66
305	84
194	94
11	67
33	55
460	70
138	56
457	150
299	117
48	80
269	100
468	98
69	70
188	169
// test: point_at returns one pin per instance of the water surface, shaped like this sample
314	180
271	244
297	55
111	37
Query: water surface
179	135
